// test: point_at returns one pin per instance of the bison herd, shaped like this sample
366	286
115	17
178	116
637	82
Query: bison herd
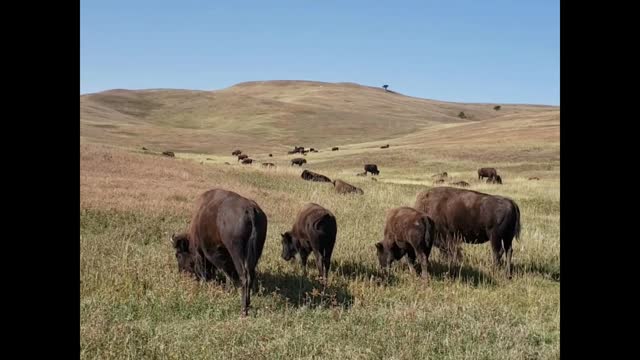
227	233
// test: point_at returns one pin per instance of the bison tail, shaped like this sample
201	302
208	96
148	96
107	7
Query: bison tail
429	233
517	227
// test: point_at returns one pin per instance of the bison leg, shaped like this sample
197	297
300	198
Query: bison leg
411	259
423	251
496	247
509	251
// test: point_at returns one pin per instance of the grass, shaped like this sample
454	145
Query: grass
134	303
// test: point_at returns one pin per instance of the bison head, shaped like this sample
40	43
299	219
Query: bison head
288	248
387	255
184	257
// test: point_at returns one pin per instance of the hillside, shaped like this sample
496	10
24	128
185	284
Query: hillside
272	116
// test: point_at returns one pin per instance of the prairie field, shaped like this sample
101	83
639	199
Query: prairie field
136	305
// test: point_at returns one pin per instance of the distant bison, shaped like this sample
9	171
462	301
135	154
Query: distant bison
311	176
495	180
384	146
407	232
372	168
314	231
270	155
472	217
242	157
461	183
236	152
268	164
335	148
486	173
534	178
227	232
144	148
298	161
168	153
209	159
226	163
441	175
247	161
342	187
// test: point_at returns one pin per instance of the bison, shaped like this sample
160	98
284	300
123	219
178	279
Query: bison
441	175
144	148
345	188
247	161
236	152
311	176
487	173
384	146
472	217
534	178
372	168
495	180
407	232
168	153
461	183
227	233
335	148
270	155
298	161
242	157
314	231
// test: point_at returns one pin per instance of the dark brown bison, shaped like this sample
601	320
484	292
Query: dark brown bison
534	178
236	152
495	180
168	153
247	161
227	233
461	183
297	149
407	232
268	164
472	217
441	175
486	173
335	148
270	155
314	231
298	161
384	146
372	168
144	148
311	176
346	188
242	157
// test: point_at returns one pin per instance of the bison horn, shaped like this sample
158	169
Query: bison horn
172	239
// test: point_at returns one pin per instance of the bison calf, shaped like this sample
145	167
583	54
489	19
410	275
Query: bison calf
311	176
227	232
345	188
407	232
314	231
335	148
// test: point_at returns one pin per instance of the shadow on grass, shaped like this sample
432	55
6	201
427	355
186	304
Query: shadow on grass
465	273
300	290
353	270
547	271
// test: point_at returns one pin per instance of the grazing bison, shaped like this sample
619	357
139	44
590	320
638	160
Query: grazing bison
372	168
144	148
346	188
298	161
384	146
268	164
247	161
227	232
297	149
311	176
441	175
407	232
236	152
461	183
486	173
270	155
495	180
534	178
472	217
168	153
314	230
242	157
335	148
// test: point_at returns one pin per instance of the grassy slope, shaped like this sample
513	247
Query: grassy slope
134	304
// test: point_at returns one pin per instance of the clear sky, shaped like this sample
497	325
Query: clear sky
458	50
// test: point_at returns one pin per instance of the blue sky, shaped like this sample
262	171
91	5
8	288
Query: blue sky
471	50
